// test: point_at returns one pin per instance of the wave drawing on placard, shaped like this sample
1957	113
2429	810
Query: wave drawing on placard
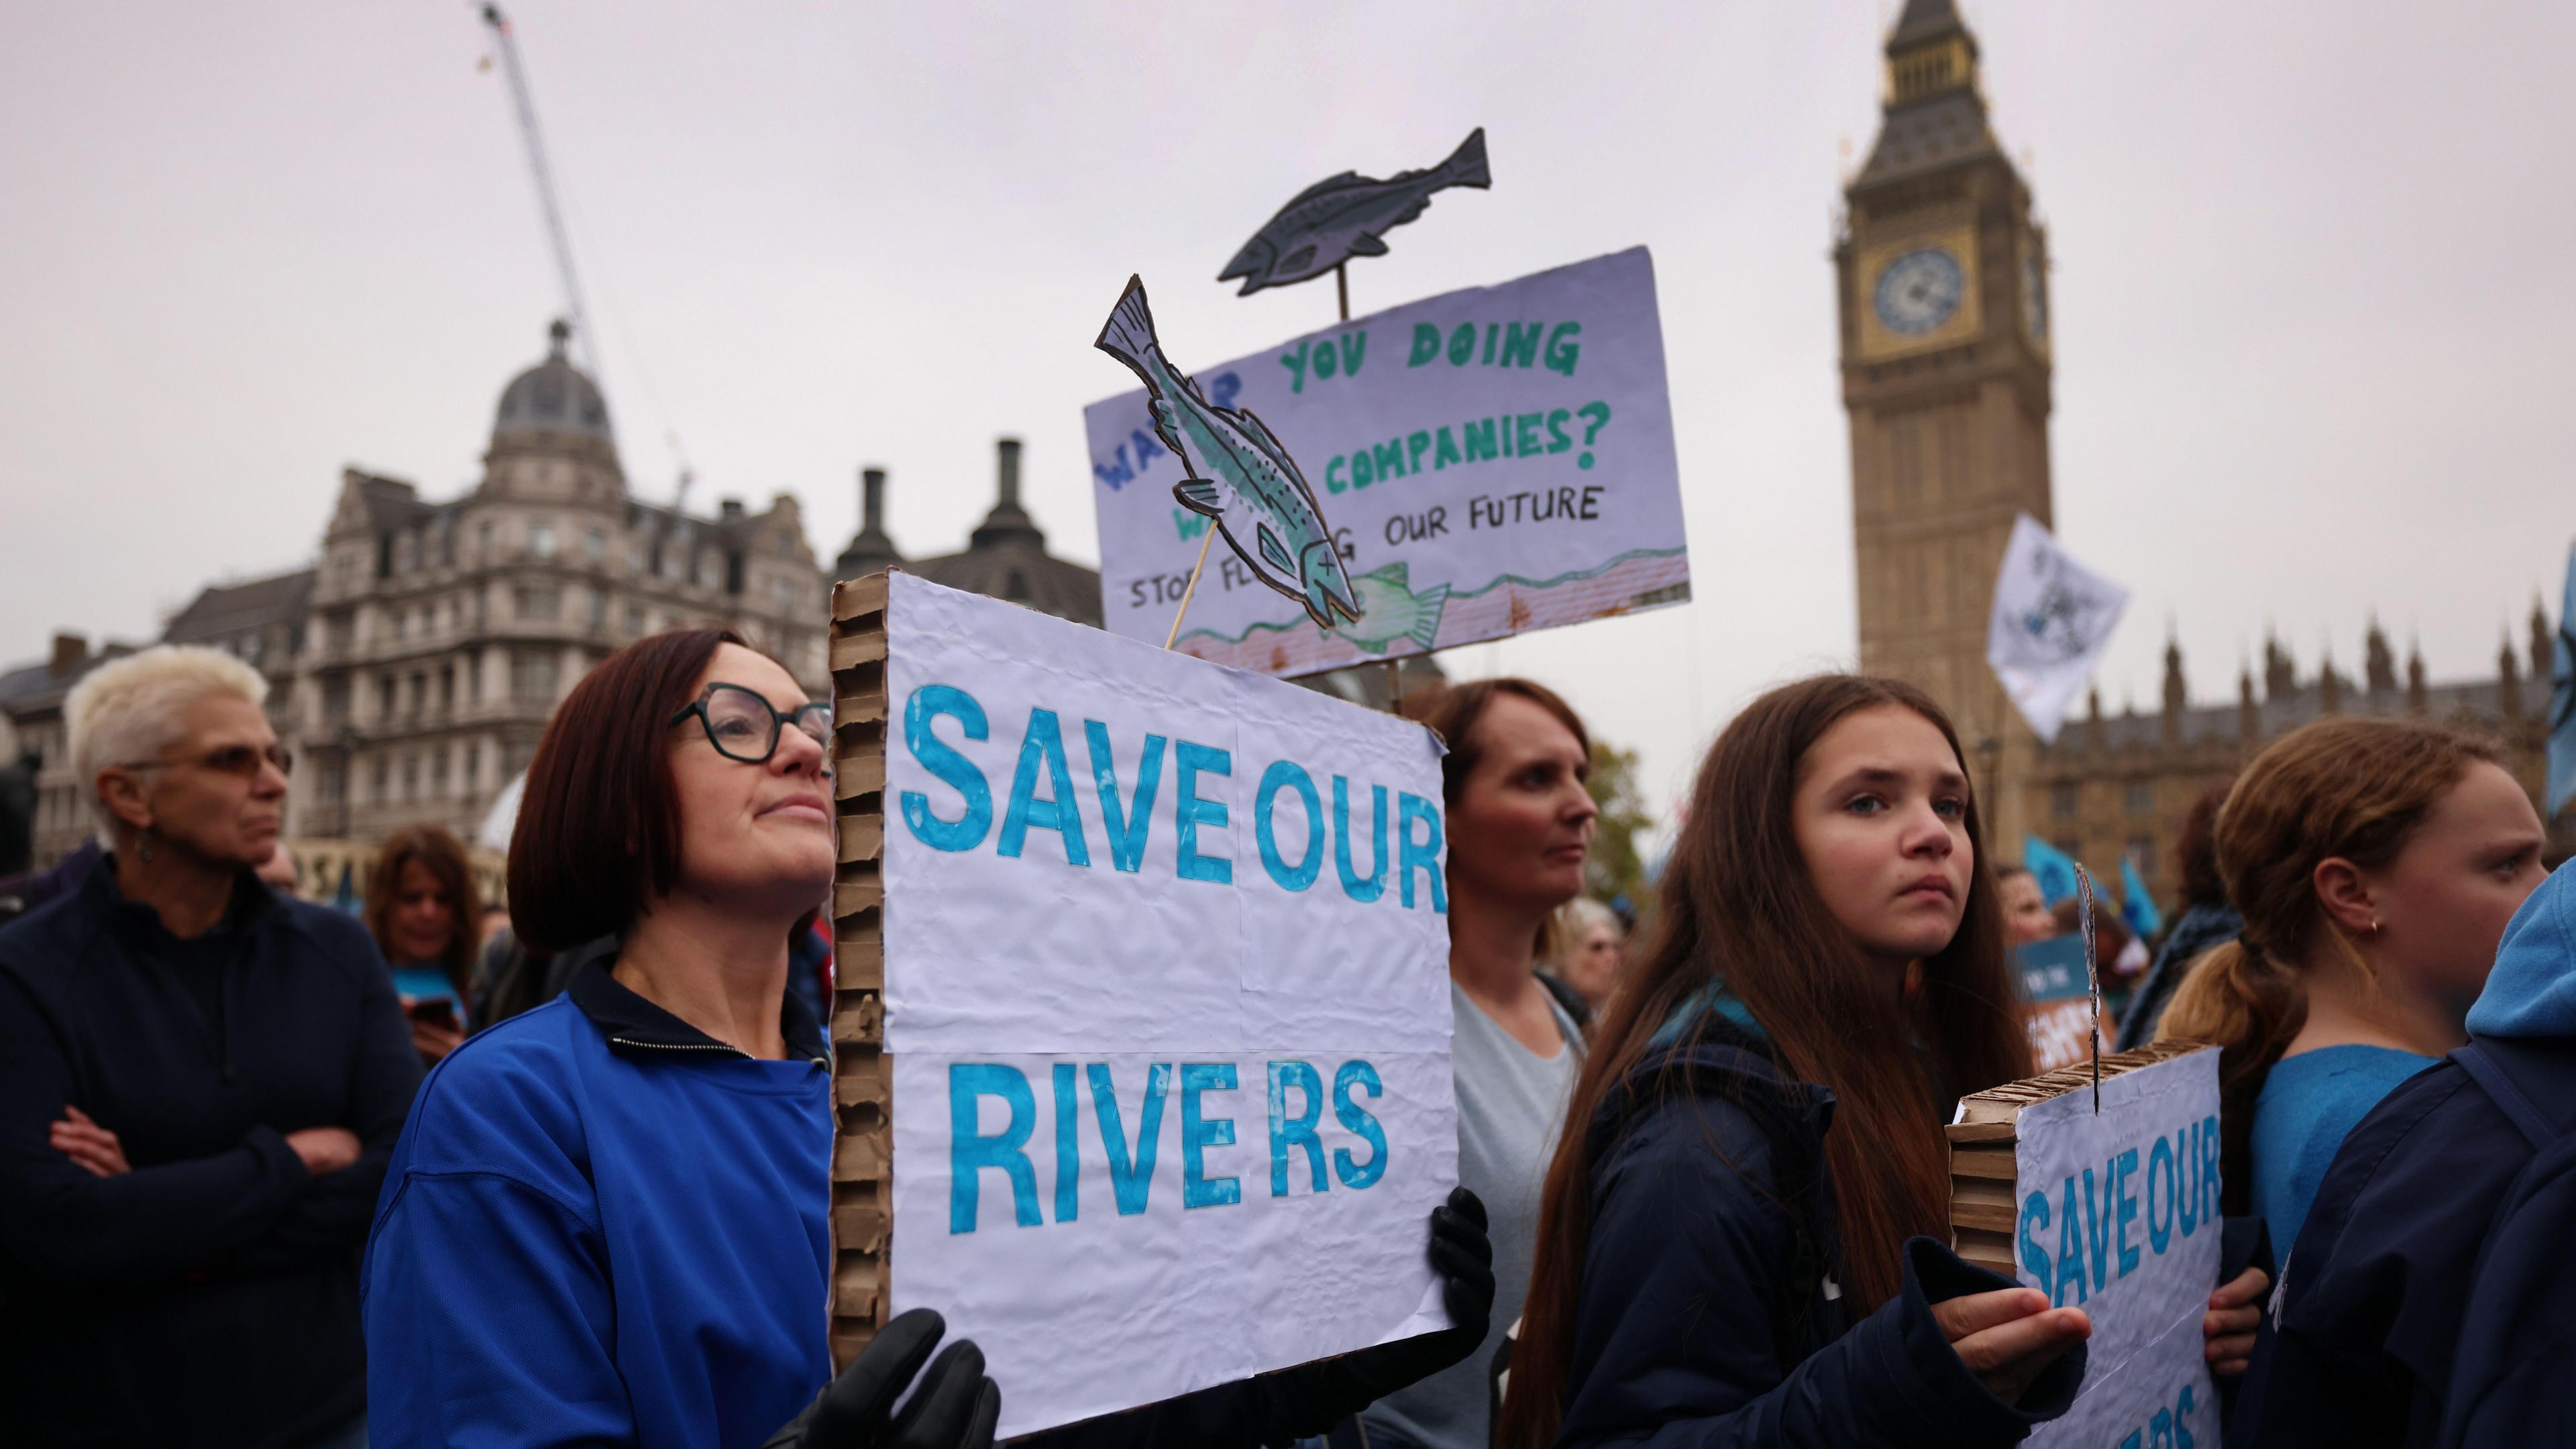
1239	474
1348	216
1637	579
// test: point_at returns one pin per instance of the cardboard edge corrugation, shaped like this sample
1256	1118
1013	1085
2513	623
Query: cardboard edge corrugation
1985	1198
862	1076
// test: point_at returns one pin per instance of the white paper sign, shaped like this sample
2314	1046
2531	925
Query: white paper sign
1167	1000
2120	1217
1490	461
2052	619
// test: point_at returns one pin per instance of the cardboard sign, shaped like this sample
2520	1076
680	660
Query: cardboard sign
1165	1007
1493	461
2115	1211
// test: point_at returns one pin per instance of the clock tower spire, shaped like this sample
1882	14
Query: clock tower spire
1942	281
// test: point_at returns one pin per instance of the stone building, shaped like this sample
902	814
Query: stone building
1941	272
413	668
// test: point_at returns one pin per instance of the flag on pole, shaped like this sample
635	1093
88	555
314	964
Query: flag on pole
2052	619
2053	868
2137	903
2562	698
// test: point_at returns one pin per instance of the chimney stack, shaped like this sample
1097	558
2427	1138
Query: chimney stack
1008	450
71	651
872	500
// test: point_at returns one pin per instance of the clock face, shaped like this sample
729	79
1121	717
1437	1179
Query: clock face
1918	291
2034	300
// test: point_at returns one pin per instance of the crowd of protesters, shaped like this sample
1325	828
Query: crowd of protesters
1703	1187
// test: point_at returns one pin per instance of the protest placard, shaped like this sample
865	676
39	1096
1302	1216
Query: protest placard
1492	461
2109	1203
2057	1000
1143	1002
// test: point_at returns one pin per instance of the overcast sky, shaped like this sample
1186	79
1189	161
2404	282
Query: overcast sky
2311	301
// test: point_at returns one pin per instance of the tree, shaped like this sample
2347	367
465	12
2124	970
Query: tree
1617	868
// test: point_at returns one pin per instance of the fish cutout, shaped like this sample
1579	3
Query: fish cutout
1347	216
1389	610
1239	474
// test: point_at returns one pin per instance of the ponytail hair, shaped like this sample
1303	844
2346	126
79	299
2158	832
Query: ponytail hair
2353	789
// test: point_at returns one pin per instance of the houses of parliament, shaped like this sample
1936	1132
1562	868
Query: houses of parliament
1942	280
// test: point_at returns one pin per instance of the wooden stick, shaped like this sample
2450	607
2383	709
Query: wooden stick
1196	569
1342	286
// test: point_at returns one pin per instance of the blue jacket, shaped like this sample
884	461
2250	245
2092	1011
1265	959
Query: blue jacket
210	1295
1705	1318
2376	1301
603	1227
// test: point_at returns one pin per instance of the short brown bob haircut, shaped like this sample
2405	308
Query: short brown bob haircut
599	820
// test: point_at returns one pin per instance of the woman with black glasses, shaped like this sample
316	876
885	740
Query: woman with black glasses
606	1220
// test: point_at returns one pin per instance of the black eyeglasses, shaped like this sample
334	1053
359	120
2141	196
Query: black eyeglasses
744	726
242	760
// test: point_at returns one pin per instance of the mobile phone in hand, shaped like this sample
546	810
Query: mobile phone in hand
439	1011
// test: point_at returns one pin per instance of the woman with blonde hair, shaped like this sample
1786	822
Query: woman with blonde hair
2375	863
423	910
201	1081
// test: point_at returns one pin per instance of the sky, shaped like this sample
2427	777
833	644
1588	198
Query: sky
2310	292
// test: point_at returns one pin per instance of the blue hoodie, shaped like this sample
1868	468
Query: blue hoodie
2532	991
603	1227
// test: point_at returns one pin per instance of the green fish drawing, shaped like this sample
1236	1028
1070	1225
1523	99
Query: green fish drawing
1391	611
1239	473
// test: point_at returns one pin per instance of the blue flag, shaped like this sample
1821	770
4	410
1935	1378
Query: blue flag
2054	869
2562	699
2137	905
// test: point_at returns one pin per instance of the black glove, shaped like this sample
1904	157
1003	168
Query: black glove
1311	1398
956	1408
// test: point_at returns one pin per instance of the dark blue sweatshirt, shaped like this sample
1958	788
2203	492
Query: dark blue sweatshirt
1704	1317
603	1227
210	1295
2381	1296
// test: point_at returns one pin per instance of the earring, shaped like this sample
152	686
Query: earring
144	849
2374	925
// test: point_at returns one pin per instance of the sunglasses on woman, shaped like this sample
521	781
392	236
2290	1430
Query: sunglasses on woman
743	725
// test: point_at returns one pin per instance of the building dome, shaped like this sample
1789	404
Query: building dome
553	396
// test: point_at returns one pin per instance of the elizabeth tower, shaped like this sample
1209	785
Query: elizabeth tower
1942	278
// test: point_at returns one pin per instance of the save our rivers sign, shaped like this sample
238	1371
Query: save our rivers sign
1490	461
1165	1024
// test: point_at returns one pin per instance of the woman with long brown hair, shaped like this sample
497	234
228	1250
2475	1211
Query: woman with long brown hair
2375	863
422	908
1828	949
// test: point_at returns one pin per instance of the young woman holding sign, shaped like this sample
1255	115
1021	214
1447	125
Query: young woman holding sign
2376	862
1715	1266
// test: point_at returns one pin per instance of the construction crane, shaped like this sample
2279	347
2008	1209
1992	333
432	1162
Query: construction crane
583	336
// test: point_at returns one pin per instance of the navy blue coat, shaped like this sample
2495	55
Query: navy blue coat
1697	1325
2404	1315
210	1295
2374	1300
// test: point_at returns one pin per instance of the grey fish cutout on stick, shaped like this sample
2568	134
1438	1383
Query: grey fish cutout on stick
1240	476
1347	216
